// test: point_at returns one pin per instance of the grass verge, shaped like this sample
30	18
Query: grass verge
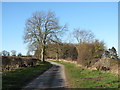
84	78
18	78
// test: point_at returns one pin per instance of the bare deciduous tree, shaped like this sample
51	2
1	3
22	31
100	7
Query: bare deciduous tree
13	53
41	28
83	35
5	53
19	54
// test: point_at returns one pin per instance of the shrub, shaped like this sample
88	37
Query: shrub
89	52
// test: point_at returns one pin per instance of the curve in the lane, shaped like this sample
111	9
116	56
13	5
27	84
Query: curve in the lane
52	78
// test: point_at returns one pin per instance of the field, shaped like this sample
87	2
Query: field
20	77
84	78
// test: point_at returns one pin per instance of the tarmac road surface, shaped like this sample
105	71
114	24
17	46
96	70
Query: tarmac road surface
52	78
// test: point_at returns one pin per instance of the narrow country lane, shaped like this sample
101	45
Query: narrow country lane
52	78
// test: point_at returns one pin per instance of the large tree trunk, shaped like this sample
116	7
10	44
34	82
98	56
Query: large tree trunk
43	48
43	54
57	55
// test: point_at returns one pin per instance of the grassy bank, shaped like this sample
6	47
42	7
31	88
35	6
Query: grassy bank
18	78
84	78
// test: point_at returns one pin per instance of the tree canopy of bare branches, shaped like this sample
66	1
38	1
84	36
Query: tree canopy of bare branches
83	35
40	29
13	53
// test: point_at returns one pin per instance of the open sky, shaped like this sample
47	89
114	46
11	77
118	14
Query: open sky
99	17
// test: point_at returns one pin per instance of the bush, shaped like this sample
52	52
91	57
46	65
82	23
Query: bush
89	52
69	51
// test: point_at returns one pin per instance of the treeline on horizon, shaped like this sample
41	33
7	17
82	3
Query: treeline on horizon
84	53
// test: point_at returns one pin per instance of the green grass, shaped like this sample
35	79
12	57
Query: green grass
18	78
84	78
